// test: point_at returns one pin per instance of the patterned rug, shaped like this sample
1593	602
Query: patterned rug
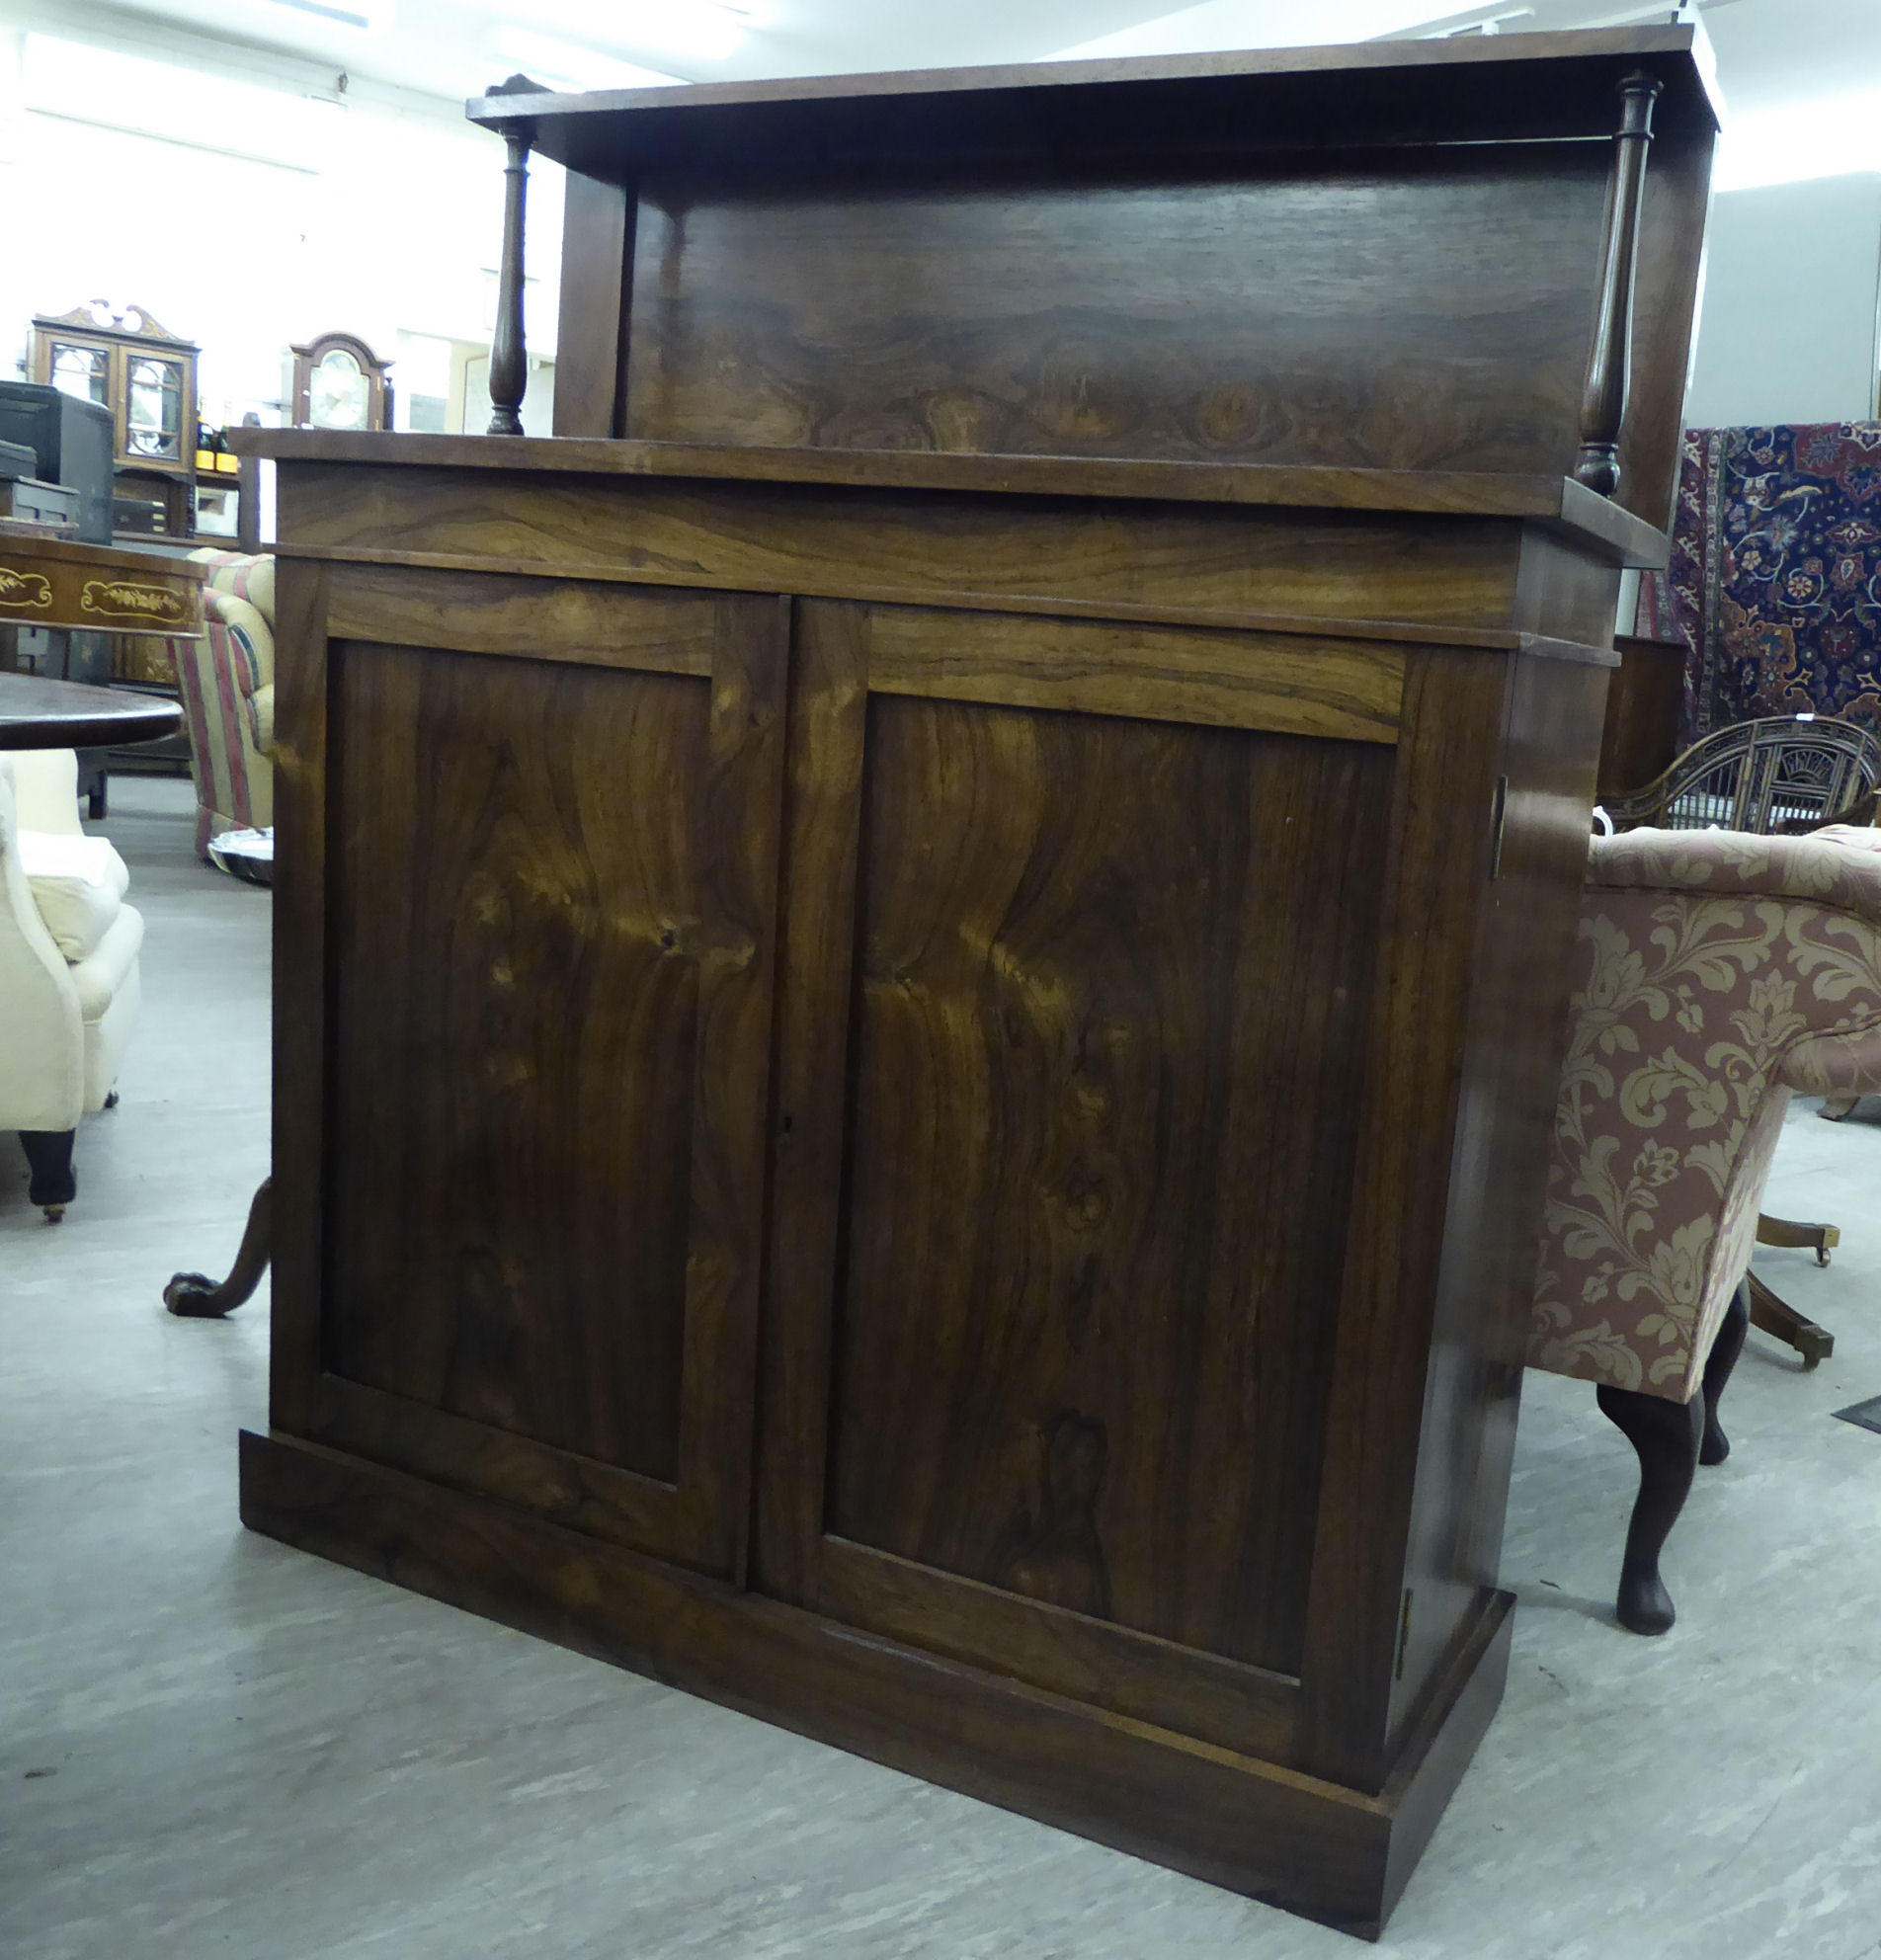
1775	578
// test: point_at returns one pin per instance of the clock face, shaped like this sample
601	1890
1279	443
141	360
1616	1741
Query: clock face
339	395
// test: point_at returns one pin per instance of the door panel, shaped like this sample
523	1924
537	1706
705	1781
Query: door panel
1091	966
551	922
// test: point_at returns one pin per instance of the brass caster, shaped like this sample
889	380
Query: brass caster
111	1101
54	1214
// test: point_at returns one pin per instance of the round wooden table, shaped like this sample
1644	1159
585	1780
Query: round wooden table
38	714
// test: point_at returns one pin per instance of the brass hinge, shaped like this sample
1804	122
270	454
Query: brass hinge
1497	820
1404	1633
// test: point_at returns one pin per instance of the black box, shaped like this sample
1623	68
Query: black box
72	443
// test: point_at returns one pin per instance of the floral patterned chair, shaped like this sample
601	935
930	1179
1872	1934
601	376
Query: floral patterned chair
1717	972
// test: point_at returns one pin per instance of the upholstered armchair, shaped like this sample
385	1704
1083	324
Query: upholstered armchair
69	984
1716	973
226	679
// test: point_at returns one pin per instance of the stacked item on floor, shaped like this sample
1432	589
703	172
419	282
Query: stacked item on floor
226	680
69	986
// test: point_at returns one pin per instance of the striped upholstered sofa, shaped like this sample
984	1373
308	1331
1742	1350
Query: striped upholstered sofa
227	683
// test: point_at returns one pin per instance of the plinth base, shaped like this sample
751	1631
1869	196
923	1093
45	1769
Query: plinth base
1312	1848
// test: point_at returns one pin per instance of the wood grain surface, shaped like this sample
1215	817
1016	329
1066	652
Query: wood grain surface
301	996
1089	1248
1286	683
1556	502
1068	1165
1432	902
546	910
1238	317
1511	1071
1460	89
555	1044
1363	575
599	217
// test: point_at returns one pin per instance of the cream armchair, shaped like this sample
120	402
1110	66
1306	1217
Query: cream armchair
1716	972
69	984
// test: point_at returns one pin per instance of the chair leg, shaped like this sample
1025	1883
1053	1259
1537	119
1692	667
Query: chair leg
195	1296
1725	1350
1818	1239
1838	1108
1813	1344
1665	1437
48	1156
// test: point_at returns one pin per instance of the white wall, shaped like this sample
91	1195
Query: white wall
1788	329
256	219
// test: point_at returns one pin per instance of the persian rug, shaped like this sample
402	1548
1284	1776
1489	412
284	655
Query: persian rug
1776	577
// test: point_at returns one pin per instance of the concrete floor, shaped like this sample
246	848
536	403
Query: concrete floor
212	1745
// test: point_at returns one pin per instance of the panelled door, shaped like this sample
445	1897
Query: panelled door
1078	918
546	921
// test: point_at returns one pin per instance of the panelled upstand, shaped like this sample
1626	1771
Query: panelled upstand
920	970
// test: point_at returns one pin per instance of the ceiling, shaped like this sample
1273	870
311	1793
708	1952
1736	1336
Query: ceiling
1772	54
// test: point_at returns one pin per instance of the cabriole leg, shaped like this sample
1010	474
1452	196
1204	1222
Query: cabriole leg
195	1296
1725	1350
1665	1435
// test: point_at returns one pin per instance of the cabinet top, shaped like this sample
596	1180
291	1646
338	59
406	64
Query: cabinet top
1473	89
1556	504
1461	260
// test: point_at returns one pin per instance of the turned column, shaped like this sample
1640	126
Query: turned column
1604	402
509	352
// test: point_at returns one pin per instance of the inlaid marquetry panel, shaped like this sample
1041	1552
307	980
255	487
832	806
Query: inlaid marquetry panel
65	584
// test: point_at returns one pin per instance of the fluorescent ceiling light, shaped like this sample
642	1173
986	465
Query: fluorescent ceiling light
362	16
692	30
101	87
563	65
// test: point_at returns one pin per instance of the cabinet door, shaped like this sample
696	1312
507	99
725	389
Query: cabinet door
1077	962
77	368
159	412
526	944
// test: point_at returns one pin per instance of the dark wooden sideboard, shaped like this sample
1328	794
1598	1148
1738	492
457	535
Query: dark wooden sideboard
920	969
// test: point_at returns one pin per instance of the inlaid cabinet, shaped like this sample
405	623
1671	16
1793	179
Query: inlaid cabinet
130	364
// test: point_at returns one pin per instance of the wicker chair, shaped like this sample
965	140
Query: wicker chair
1782	774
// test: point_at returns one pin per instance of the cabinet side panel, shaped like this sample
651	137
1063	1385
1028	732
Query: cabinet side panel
515	927
596	243
300	991
1510	1082
1111	980
1441	855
